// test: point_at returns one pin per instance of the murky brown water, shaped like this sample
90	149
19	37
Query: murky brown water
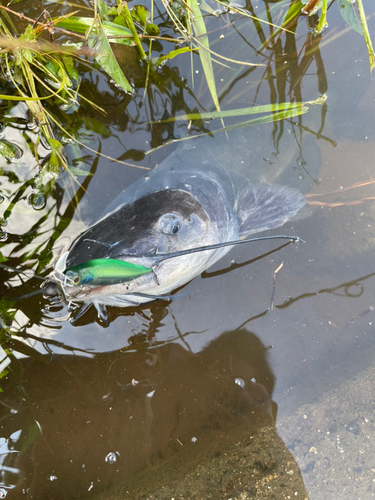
212	395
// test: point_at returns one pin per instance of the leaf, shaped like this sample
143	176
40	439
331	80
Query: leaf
69	68
23	54
349	14
141	14
54	143
7	150
51	164
178	9
47	179
119	20
152	29
97	126
7	309
172	54
207	8
103	8
81	25
53	68
28	35
108	62
79	171
3	258
28	437
73	74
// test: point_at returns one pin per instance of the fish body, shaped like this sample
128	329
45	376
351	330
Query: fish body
190	200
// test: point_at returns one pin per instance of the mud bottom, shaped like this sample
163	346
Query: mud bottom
257	466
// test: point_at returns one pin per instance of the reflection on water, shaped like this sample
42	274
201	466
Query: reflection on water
162	404
78	426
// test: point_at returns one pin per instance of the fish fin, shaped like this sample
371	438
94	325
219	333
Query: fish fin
161	297
121	298
102	310
267	206
302	213
81	312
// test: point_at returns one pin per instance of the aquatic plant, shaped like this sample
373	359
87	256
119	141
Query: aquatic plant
45	73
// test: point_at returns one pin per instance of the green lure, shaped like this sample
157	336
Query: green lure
103	272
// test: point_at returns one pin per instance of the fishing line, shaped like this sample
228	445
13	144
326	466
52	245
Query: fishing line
160	257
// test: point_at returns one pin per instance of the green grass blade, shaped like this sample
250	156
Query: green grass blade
201	34
281	115
370	48
82	24
267	108
172	54
123	10
323	18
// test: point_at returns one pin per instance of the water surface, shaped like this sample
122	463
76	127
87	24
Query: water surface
214	394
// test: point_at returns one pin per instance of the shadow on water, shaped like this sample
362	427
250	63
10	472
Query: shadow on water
161	421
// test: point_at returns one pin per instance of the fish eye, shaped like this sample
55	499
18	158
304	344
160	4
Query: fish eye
169	224
77	280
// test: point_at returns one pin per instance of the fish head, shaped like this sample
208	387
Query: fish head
160	222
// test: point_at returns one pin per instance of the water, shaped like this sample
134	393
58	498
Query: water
212	395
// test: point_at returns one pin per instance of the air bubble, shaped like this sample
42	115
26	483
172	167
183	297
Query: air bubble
31	125
194	439
70	106
52	478
66	140
111	458
240	382
37	201
301	176
10	151
3	237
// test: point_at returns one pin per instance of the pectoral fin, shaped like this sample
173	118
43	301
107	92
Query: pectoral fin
267	206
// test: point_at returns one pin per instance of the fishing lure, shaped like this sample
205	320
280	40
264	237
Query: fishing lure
103	272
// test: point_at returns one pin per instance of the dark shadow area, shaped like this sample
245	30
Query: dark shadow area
162	422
